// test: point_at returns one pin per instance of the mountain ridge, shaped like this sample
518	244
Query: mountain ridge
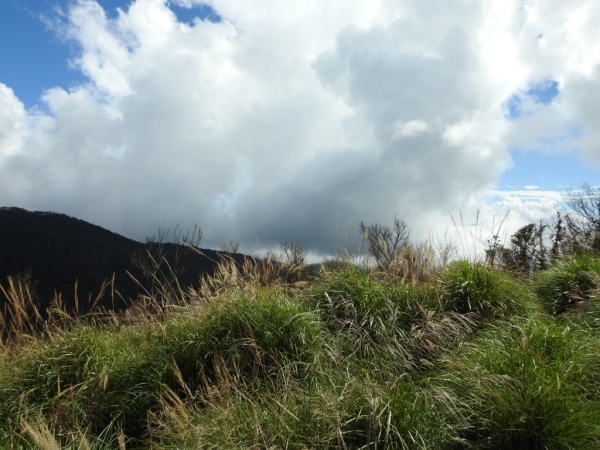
56	250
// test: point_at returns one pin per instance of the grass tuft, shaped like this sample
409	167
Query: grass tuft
568	282
251	335
472	287
527	384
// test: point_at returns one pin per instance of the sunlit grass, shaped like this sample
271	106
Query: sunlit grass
475	287
264	355
568	282
527	384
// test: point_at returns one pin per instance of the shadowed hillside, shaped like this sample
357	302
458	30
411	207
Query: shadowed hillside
57	250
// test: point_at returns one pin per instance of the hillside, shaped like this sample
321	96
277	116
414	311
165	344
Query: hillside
57	250
471	358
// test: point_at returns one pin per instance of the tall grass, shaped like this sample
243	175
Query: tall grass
570	281
20	316
527	384
266	355
100	377
475	287
383	321
253	336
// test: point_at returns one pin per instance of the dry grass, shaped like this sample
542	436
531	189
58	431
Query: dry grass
40	434
20	320
251	274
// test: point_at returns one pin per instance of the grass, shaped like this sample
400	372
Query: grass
474	287
527	384
263	355
568	282
253	336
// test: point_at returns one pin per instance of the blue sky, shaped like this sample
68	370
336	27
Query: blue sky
548	172
295	121
34	58
536	167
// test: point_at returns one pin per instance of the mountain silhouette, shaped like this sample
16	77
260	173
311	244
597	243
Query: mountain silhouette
56	250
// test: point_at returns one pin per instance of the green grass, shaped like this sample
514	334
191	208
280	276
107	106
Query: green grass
99	378
91	378
568	282
254	336
474	287
527	384
356	359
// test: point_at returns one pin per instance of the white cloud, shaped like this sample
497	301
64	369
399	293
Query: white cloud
502	213
295	120
13	122
524	207
409	129
531	193
568	53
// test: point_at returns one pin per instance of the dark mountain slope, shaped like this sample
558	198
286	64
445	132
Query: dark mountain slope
57	250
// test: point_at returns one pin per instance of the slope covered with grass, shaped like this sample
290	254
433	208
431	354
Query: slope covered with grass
466	357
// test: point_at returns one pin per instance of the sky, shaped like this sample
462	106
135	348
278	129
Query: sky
264	121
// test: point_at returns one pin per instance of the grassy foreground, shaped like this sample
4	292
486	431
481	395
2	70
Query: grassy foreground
261	357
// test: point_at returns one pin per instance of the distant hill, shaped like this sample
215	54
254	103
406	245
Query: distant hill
57	250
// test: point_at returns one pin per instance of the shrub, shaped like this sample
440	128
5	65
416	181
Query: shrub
394	255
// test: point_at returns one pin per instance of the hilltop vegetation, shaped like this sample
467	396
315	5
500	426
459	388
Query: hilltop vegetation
408	348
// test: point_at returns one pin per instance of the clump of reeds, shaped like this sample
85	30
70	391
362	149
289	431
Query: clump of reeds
232	275
20	317
23	319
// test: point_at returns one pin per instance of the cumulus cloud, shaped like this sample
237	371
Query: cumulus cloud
296	120
557	42
13	122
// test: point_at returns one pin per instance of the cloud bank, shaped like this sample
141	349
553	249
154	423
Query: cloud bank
296	120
